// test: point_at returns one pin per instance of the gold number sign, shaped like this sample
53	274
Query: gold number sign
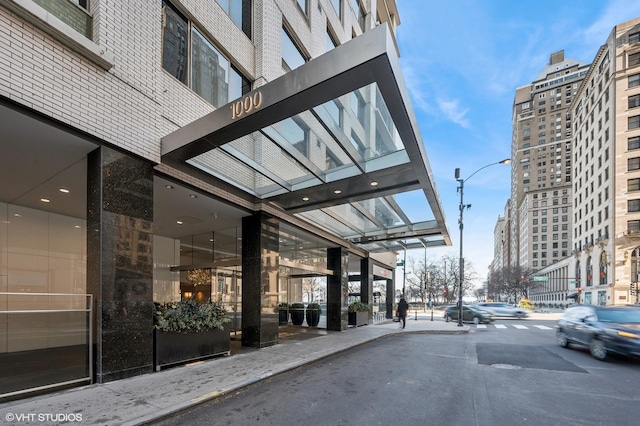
245	105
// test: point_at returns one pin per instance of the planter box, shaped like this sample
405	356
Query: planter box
358	318
174	348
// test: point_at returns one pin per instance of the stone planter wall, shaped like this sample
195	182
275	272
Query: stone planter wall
176	348
358	318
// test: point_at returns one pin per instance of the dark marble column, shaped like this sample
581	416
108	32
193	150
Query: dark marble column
337	289
120	263
366	284
260	255
391	296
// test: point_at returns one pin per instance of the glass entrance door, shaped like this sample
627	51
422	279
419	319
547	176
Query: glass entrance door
227	290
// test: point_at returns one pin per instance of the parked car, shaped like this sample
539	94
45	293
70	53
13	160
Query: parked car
603	329
469	314
501	309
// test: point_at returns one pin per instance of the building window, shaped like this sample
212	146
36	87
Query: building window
634	122
292	56
358	10
634	80
634	59
634	101
212	76
337	5
304	6
633	206
633	184
634	38
633	143
633	226
240	12
331	42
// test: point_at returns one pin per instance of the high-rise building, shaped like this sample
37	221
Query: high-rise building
157	151
541	164
606	171
602	268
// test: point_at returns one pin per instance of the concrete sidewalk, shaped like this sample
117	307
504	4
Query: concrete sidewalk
142	399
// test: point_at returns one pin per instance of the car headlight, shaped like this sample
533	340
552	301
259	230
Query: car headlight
628	334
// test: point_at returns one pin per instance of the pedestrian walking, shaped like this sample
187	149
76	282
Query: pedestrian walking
403	306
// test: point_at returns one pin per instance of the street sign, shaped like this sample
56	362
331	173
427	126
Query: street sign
400	263
541	278
573	282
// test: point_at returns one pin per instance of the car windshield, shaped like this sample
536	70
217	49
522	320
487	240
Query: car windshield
620	315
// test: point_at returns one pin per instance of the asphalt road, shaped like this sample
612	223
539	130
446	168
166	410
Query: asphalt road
509	373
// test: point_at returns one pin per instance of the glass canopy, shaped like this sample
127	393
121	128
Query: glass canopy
333	142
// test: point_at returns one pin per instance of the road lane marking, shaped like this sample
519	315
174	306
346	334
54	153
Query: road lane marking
521	327
481	326
500	326
543	327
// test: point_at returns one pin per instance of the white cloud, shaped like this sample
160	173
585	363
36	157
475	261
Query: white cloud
452	110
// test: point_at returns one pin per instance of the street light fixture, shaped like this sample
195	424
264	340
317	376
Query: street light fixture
460	223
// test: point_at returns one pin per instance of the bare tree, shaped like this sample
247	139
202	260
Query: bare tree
510	283
313	287
437	280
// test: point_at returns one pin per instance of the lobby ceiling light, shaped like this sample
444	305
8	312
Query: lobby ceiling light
193	196
179	222
168	186
45	200
64	190
337	191
374	183
305	198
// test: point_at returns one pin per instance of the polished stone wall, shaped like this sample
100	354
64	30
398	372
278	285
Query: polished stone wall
260	254
337	289
120	262
390	297
366	284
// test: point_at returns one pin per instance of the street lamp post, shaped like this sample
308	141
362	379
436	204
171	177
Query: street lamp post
461	225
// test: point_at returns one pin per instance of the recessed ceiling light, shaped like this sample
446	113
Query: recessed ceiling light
45	200
374	183
77	226
168	186
211	240
17	215
65	190
305	198
193	196
179	222
337	191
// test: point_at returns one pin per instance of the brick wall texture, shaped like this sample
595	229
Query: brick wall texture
135	103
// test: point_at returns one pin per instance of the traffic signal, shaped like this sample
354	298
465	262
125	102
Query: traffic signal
579	290
633	289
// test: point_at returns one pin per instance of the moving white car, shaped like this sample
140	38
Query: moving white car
502	309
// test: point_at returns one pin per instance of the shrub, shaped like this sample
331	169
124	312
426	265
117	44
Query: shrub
189	316
358	307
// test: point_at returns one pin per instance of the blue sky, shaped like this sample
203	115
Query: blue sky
462	61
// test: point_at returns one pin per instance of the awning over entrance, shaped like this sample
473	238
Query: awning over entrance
334	142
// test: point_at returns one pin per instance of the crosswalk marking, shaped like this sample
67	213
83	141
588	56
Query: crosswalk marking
516	326
543	327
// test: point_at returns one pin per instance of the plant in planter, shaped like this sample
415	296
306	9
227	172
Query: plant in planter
358	314
297	313
283	313
313	314
188	330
